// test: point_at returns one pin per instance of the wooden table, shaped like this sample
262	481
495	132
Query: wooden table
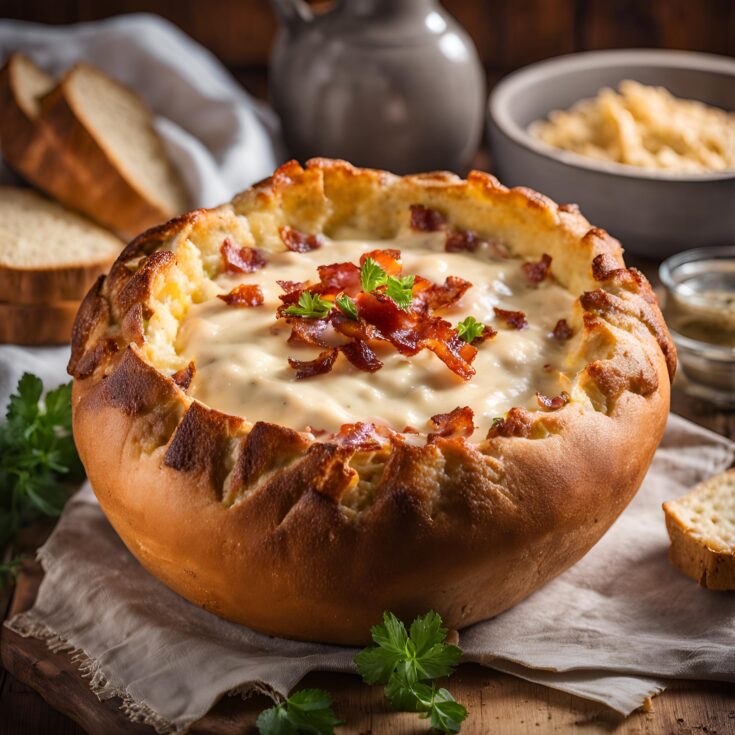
497	703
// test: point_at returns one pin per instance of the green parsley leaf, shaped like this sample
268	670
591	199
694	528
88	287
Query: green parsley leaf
37	455
470	329
307	711
347	306
400	289
372	275
444	712
311	306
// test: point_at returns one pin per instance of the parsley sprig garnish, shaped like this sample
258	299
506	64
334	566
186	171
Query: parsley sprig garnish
307	711
404	661
397	288
372	276
347	306
37	454
400	289
311	306
470	329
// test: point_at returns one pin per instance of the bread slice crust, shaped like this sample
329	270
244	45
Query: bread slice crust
37	324
247	518
692	551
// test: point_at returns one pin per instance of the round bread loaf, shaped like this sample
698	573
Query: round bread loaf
463	489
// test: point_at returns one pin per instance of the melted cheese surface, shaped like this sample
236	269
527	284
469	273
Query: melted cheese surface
241	354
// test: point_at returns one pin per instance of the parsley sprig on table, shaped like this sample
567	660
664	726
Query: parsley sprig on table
37	454
307	711
405	660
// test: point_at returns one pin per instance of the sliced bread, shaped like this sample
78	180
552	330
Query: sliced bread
88	142
48	253
37	324
27	146
701	526
110	131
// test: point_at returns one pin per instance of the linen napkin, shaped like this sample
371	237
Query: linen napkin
612	628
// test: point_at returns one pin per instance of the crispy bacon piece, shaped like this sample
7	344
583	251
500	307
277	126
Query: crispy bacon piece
562	331
318	366
388	259
517	422
308	331
512	319
424	219
487	333
461	240
183	377
299	242
547	403
291	286
411	331
442	339
458	422
436	296
361	356
240	260
336	278
537	271
243	295
360	436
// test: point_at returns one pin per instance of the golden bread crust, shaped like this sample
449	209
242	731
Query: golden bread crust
253	521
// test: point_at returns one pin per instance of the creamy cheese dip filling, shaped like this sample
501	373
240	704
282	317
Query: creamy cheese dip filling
241	354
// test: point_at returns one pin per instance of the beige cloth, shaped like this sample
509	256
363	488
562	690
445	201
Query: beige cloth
611	629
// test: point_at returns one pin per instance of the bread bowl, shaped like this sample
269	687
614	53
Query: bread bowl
303	522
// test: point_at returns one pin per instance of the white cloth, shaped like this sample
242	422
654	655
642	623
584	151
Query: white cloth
219	138
612	628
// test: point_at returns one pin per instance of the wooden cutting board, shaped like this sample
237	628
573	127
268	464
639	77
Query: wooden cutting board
497	703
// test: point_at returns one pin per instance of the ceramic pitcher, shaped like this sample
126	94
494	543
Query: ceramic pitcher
393	84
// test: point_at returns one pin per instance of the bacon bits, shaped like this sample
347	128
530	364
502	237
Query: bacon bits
243	295
299	242
240	260
291	286
517	422
562	331
424	219
536	272
461	240
308	331
459	422
318	366
183	377
433	296
512	319
361	356
338	277
360	436
552	404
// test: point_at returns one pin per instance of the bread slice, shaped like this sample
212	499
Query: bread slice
48	253
701	526
108	128
88	142
27	146
37	324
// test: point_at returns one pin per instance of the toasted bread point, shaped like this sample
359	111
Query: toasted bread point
701	526
47	253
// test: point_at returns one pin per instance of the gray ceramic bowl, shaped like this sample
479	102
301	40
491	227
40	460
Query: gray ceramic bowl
652	213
